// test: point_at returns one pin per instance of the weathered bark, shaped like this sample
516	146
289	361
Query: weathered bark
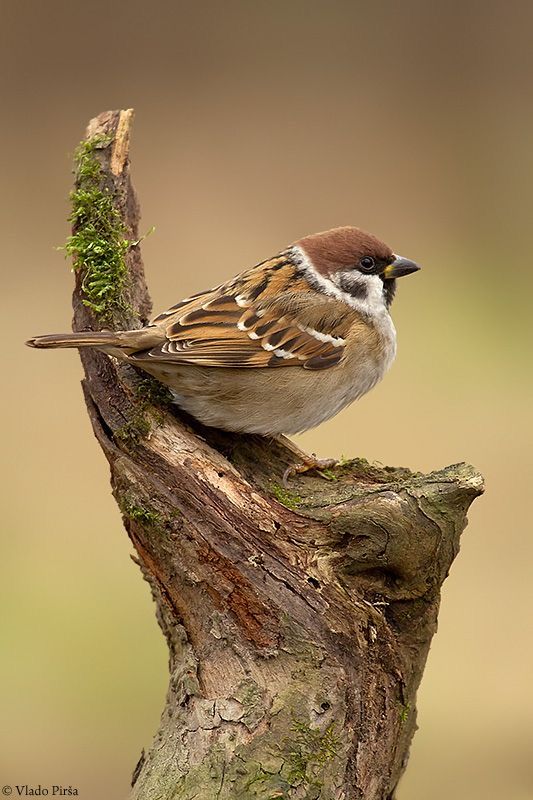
298	623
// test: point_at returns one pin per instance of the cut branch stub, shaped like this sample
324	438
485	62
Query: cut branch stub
298	621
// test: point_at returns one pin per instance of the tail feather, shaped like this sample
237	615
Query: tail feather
86	339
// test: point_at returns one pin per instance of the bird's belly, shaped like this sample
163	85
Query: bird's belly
272	401
287	399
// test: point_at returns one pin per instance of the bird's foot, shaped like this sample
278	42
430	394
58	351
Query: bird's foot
321	465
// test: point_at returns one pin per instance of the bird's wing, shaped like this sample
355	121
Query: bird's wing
266	317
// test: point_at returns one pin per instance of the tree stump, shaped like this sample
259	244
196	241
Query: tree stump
298	621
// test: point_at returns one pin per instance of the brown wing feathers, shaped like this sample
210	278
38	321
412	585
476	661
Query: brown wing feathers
248	323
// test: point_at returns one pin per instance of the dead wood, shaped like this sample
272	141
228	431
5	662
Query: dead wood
298	622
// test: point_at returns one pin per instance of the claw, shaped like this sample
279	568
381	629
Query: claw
310	463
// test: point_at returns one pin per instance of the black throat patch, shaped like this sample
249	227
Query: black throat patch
389	290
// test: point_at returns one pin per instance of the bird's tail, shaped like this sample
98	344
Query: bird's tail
86	339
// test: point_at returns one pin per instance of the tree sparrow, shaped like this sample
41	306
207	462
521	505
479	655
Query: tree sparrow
279	348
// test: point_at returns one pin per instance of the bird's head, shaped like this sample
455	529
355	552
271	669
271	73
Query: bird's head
356	263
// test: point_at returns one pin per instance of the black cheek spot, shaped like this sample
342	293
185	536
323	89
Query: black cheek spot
353	287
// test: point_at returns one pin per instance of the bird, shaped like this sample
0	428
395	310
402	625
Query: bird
278	349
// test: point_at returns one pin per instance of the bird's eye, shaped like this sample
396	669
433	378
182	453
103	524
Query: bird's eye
367	263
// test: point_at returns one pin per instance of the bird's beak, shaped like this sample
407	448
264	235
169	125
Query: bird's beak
399	267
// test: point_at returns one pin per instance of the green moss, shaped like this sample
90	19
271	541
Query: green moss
328	474
283	496
142	514
98	243
309	752
151	392
135	429
404	712
289	758
150	397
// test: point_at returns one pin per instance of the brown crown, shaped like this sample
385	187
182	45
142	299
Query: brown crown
339	248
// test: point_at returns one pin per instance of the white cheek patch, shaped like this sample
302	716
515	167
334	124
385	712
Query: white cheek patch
373	303
325	284
372	300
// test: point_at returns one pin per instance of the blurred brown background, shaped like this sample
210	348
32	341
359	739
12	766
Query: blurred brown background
257	123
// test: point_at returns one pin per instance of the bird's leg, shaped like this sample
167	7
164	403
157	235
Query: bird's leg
304	462
310	463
